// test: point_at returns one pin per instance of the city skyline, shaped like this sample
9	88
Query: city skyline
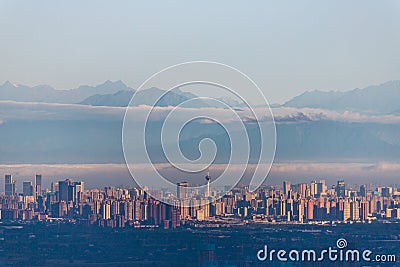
114	174
315	184
118	207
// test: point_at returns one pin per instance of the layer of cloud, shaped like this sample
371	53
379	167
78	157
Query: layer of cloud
11	110
287	114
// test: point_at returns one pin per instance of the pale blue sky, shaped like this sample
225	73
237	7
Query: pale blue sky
286	47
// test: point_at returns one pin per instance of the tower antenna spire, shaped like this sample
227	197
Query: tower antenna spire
208	179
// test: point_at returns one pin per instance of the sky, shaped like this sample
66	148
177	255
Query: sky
286	47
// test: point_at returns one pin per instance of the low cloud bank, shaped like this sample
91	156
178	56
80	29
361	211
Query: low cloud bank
11	110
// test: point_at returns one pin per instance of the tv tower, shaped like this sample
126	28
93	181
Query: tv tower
208	179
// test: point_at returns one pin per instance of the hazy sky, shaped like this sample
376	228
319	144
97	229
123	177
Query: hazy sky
286	47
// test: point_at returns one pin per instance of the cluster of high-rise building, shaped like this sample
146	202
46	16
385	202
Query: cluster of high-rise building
315	202
119	207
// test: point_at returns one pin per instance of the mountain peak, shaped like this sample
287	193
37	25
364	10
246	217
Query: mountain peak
118	82
8	84
113	82
376	99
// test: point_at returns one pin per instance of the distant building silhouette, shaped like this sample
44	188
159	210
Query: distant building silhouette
38	185
27	188
182	190
9	185
341	189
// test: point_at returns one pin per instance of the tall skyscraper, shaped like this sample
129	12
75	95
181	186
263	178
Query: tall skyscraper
363	191
354	211
340	189
9	185
175	217
386	191
54	187
301	189
286	187
321	187
301	211
310	210
346	211
38	185
182	190
314	188
65	190
27	188
364	210
8	179
106	210
79	187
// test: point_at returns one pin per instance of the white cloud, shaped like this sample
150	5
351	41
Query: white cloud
49	111
312	114
10	110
